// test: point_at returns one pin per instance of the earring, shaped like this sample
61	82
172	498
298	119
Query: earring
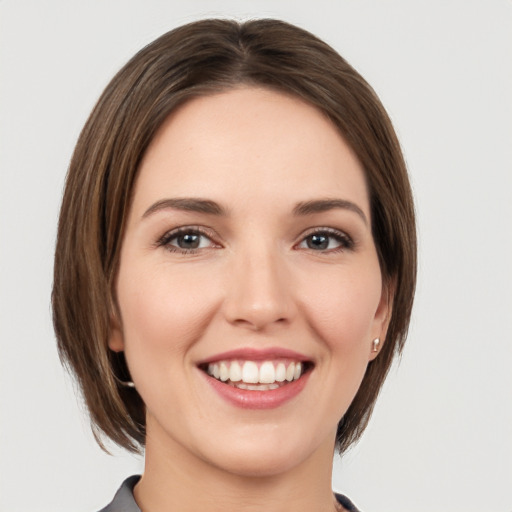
124	383
119	366
375	345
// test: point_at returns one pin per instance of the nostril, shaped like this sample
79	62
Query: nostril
259	321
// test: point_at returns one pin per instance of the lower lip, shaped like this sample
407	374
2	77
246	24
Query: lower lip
248	399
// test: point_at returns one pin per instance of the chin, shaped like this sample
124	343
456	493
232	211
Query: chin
260	455
257	463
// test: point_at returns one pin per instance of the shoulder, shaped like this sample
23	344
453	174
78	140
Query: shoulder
123	500
346	503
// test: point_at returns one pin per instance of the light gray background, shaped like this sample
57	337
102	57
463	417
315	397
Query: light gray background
441	436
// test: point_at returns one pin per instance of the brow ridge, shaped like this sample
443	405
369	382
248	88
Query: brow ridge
190	204
303	208
323	205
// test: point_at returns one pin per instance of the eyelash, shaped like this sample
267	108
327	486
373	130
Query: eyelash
345	242
165	240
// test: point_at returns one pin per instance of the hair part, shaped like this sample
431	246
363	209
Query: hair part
198	59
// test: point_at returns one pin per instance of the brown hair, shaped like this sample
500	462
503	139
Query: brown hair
193	60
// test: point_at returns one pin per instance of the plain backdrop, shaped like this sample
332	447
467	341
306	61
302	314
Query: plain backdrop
441	435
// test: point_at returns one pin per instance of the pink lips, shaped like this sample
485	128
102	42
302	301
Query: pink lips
253	354
250	399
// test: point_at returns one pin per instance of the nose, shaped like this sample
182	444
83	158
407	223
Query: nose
259	292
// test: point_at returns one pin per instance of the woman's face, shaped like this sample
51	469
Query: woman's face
249	288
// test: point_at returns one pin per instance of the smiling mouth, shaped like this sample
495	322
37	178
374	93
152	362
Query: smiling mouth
256	375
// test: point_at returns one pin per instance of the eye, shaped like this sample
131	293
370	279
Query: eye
326	240
186	240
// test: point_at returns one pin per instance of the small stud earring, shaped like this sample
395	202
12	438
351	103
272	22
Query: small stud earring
375	345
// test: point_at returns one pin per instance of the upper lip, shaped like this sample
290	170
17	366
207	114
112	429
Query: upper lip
256	354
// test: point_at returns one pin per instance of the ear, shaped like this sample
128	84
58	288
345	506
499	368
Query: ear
381	319
115	338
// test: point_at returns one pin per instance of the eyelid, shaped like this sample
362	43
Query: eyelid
164	240
347	242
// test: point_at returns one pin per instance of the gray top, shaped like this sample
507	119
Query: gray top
125	502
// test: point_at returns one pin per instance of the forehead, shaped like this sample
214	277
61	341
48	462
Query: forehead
249	143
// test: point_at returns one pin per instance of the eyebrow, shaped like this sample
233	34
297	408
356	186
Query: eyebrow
323	205
194	204
189	204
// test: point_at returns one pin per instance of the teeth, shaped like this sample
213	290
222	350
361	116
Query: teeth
223	372
290	372
280	372
298	371
267	373
235	372
249	375
254	387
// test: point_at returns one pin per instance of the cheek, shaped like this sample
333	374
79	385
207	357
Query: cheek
342	307
162	311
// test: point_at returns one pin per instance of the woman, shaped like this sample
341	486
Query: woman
235	266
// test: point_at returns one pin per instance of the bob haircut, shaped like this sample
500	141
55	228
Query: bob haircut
198	59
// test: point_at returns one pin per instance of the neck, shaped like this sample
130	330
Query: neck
175	479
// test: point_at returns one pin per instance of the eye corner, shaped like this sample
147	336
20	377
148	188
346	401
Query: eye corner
325	240
189	240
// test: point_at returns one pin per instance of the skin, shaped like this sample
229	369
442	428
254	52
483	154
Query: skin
255	281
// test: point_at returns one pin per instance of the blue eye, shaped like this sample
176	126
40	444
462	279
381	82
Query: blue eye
326	241
185	240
